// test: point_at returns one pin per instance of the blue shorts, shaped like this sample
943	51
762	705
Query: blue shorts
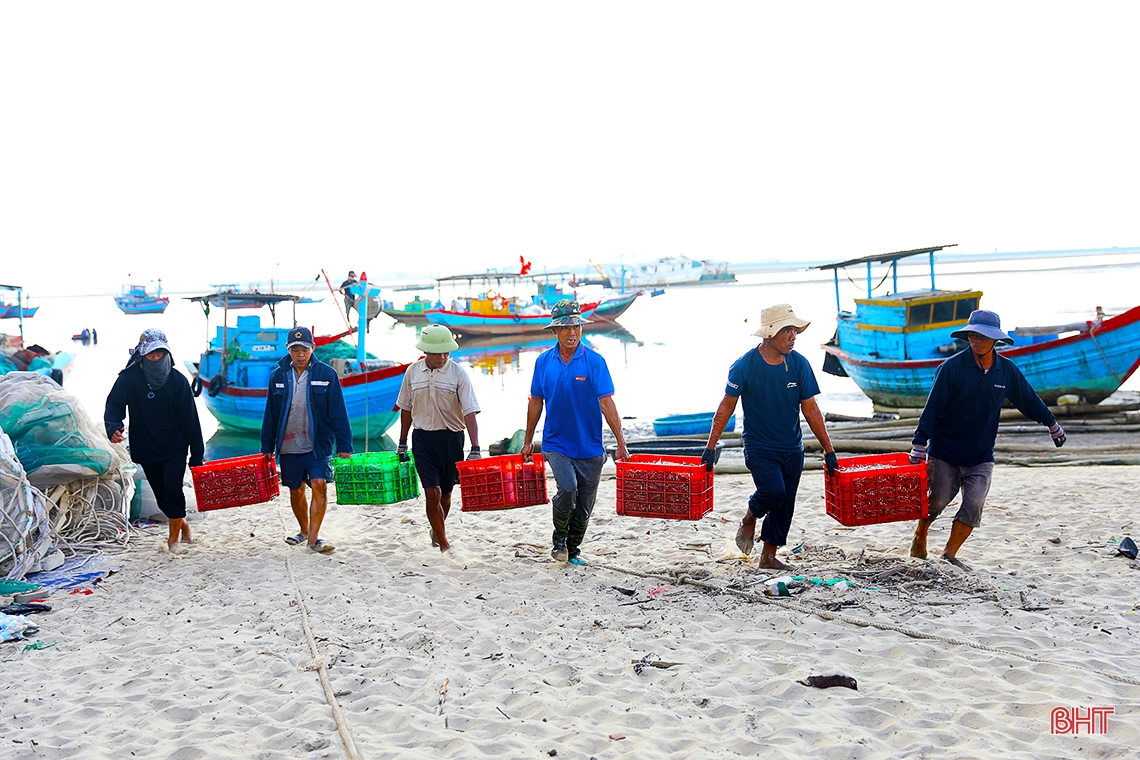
297	469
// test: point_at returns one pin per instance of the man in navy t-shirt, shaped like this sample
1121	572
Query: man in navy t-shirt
573	382
960	423
776	384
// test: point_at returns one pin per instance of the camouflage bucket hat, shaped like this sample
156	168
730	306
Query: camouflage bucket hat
566	313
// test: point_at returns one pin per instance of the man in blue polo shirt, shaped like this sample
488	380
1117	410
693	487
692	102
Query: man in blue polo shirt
776	384
574	384
960	423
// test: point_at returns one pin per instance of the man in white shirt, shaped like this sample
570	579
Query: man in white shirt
437	398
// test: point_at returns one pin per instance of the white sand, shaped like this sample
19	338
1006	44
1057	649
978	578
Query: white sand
204	655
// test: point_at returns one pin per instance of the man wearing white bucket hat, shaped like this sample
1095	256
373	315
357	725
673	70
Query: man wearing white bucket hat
960	423
775	384
438	400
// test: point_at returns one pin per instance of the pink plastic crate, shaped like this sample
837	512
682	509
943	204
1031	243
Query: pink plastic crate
674	488
890	489
503	482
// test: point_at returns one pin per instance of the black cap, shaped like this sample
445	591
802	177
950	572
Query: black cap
300	336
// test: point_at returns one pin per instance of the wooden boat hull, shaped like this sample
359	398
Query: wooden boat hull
407	317
13	311
156	306
370	398
612	308
689	424
467	323
1092	364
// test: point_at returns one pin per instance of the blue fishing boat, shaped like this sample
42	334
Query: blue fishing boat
413	311
892	344
17	311
689	424
612	307
135	300
234	369
493	312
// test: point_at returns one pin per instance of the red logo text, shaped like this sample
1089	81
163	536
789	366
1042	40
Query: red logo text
1068	720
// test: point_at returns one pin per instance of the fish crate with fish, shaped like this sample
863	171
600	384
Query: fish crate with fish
375	477
669	487
235	482
503	482
879	488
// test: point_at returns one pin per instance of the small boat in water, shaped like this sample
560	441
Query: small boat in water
413	311
689	424
891	345
493	313
234	369
672	270
135	300
17	311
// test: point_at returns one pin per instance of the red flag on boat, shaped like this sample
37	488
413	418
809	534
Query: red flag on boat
525	266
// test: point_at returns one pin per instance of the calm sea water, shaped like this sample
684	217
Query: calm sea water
671	356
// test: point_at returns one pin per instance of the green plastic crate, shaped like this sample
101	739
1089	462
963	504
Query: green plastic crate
378	477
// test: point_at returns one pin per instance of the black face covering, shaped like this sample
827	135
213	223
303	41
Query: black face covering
157	372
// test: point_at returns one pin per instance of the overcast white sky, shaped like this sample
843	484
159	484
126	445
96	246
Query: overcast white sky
236	141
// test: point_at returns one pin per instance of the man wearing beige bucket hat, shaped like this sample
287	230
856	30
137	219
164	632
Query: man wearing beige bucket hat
438	400
775	384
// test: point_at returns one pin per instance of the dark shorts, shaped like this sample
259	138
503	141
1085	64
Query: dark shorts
436	453
947	480
297	469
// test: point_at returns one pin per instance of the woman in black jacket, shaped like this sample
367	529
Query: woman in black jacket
164	426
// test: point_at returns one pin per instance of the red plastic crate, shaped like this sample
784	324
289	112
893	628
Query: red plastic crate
893	491
235	482
503	482
654	485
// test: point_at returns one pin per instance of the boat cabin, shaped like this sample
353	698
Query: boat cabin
911	325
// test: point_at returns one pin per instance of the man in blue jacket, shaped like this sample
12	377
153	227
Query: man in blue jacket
305	422
960	423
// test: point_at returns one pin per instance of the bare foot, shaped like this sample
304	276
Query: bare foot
769	561
745	538
186	538
434	540
918	547
174	548
956	562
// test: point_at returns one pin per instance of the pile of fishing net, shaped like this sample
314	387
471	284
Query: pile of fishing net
63	484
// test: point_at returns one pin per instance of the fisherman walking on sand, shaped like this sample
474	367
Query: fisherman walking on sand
437	398
960	423
164	426
775	383
305	417
574	384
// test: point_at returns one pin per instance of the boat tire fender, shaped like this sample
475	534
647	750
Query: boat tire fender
215	387
517	317
196	386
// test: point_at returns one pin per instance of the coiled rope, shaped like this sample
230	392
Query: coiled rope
827	615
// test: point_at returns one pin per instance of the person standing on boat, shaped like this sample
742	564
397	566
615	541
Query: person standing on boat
960	424
776	384
349	297
305	421
438	399
574	384
164	426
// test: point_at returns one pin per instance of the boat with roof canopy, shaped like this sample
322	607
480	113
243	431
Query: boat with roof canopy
892	344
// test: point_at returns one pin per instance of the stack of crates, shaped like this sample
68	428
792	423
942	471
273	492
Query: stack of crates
377	477
654	485
503	482
874	489
235	482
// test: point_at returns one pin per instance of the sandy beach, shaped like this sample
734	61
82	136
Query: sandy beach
244	647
